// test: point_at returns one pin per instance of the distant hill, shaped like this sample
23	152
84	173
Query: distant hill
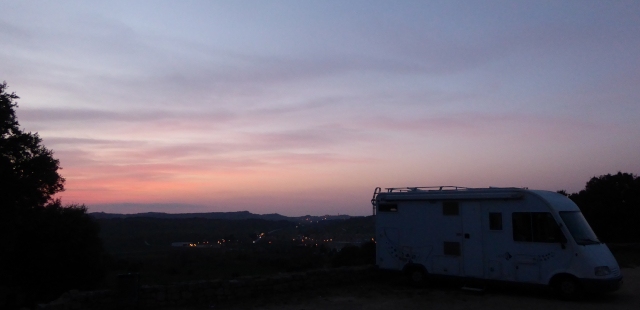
239	215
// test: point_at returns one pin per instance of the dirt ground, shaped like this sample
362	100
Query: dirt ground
395	295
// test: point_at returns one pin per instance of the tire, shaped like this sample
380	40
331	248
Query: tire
417	277
568	288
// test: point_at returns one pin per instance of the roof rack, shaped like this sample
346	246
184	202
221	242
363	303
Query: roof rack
424	188
378	190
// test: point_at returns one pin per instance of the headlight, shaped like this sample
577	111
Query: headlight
602	271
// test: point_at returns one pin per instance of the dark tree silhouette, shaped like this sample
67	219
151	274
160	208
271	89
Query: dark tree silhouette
45	248
29	171
611	204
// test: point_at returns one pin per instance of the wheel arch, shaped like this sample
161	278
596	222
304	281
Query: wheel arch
413	266
558	276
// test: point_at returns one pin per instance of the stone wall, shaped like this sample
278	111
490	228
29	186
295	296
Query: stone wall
210	292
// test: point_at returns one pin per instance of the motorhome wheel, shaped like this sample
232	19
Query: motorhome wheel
568	288
417	277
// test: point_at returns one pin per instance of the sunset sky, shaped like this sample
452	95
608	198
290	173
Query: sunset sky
304	107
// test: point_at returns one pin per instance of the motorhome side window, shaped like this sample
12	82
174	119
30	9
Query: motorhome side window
495	221
535	227
450	208
388	207
451	248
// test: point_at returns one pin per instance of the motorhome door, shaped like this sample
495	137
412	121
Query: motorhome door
472	253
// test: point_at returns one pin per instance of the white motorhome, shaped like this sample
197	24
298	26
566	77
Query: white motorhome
503	234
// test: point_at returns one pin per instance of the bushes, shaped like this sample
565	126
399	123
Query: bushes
611	205
55	249
356	256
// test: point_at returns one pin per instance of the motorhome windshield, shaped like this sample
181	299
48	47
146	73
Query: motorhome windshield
579	228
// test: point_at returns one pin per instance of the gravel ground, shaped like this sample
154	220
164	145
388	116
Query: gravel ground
397	295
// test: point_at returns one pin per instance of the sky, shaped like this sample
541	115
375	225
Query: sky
305	107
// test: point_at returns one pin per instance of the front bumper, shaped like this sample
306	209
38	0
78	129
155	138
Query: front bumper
601	285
